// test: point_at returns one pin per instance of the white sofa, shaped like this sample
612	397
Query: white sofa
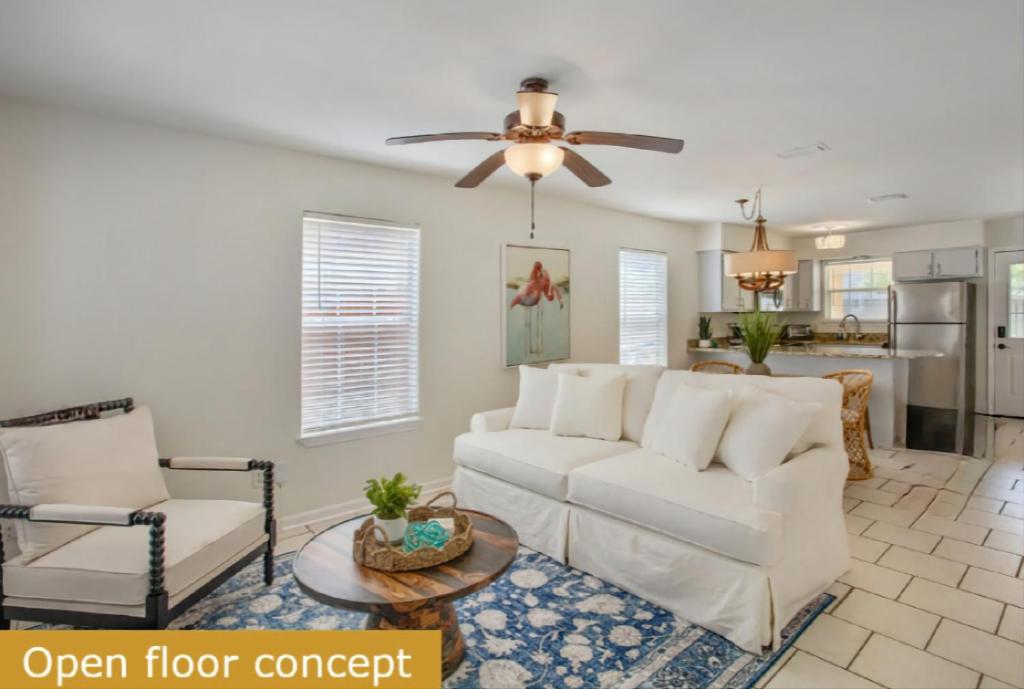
737	557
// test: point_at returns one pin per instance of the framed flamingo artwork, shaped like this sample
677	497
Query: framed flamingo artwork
536	301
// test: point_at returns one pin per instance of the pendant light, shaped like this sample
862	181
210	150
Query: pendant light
533	161
829	240
761	269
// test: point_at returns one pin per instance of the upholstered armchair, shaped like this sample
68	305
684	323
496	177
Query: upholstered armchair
102	543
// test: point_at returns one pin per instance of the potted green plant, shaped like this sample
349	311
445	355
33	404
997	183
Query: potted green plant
391	498
760	331
704	330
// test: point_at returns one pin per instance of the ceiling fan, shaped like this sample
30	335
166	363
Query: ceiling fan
532	129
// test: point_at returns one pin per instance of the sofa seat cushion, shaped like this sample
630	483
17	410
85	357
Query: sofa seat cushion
110	565
713	509
531	459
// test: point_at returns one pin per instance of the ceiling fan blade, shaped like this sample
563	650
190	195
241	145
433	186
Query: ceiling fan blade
482	171
452	136
641	141
582	168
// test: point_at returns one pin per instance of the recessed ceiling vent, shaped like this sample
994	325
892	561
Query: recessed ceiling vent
887	197
801	151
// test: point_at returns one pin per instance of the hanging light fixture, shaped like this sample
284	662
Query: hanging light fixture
761	269
533	161
829	240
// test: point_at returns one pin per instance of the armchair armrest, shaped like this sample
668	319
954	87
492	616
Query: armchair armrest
98	515
209	463
491	421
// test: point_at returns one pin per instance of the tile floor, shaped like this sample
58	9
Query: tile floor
935	593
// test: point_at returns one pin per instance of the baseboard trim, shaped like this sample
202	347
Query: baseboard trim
341	511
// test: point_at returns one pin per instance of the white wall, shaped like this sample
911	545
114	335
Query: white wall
142	261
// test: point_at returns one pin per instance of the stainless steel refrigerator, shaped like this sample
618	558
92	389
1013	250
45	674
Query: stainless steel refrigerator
936	317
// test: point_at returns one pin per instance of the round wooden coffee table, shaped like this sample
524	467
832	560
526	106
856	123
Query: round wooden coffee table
422	599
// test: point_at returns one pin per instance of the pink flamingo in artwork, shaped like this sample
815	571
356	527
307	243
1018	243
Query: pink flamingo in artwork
532	294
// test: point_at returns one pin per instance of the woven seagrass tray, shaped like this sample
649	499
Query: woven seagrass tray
377	553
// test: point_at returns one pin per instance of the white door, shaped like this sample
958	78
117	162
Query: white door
1007	295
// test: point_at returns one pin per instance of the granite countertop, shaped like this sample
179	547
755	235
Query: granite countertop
839	351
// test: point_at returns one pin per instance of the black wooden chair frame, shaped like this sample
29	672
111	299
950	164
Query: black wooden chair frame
158	614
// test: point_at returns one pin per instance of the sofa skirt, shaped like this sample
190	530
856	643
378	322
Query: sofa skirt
542	523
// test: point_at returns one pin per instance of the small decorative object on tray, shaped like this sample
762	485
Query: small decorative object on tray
432	543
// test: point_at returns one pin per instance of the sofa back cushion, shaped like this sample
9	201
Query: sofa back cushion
537	390
691	426
589	406
641	381
826	429
111	461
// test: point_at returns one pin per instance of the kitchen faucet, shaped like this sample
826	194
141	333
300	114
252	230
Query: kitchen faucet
841	333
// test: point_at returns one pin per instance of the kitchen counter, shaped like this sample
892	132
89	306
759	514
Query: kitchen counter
838	351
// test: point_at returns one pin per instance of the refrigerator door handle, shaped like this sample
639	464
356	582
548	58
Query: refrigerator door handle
892	321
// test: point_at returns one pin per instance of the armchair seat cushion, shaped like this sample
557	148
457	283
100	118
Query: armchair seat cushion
535	460
110	565
714	509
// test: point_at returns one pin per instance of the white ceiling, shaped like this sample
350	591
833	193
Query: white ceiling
923	97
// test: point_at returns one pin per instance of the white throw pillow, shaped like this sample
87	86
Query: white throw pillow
589	406
690	426
111	461
762	431
537	389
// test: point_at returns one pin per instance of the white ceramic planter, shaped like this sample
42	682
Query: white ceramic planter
394	528
704	344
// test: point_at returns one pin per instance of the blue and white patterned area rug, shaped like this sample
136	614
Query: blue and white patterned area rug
543	625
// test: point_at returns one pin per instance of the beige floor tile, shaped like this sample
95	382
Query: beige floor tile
890	515
923	565
895	620
872	495
1013	509
951	529
805	671
967	476
961	606
1012	626
880	580
993	683
946	504
838	591
942	467
832	639
855	524
291	544
985	504
865	548
897	665
918	499
978	556
986	653
1000	494
897	535
767	677
894	486
294	531
1001	540
992	521
849	504
873	482
991	585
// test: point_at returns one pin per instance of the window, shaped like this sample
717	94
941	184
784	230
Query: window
643	311
1016	300
858	286
360	326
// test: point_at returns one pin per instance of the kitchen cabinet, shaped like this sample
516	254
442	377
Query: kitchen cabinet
938	264
803	290
716	292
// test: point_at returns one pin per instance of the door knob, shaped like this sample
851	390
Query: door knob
1000	346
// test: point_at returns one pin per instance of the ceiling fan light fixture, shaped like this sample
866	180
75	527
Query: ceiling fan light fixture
830	241
534	159
536	108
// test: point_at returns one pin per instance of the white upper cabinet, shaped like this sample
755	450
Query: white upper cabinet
940	264
718	293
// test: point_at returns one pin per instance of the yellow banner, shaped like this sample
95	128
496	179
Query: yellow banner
220	659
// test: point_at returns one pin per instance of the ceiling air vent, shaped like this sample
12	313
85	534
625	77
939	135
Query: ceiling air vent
801	151
887	197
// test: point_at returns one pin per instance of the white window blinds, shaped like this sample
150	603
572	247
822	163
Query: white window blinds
643	308
360	324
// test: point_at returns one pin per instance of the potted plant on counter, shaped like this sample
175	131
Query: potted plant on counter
391	498
704	330
760	331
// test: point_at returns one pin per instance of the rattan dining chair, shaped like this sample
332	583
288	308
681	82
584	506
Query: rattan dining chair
714	366
856	384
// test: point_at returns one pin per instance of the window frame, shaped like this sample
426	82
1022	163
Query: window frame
824	291
664	325
373	427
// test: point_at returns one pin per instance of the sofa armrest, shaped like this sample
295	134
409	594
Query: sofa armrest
491	421
813	478
209	463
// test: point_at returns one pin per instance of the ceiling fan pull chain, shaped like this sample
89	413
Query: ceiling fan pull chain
533	187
